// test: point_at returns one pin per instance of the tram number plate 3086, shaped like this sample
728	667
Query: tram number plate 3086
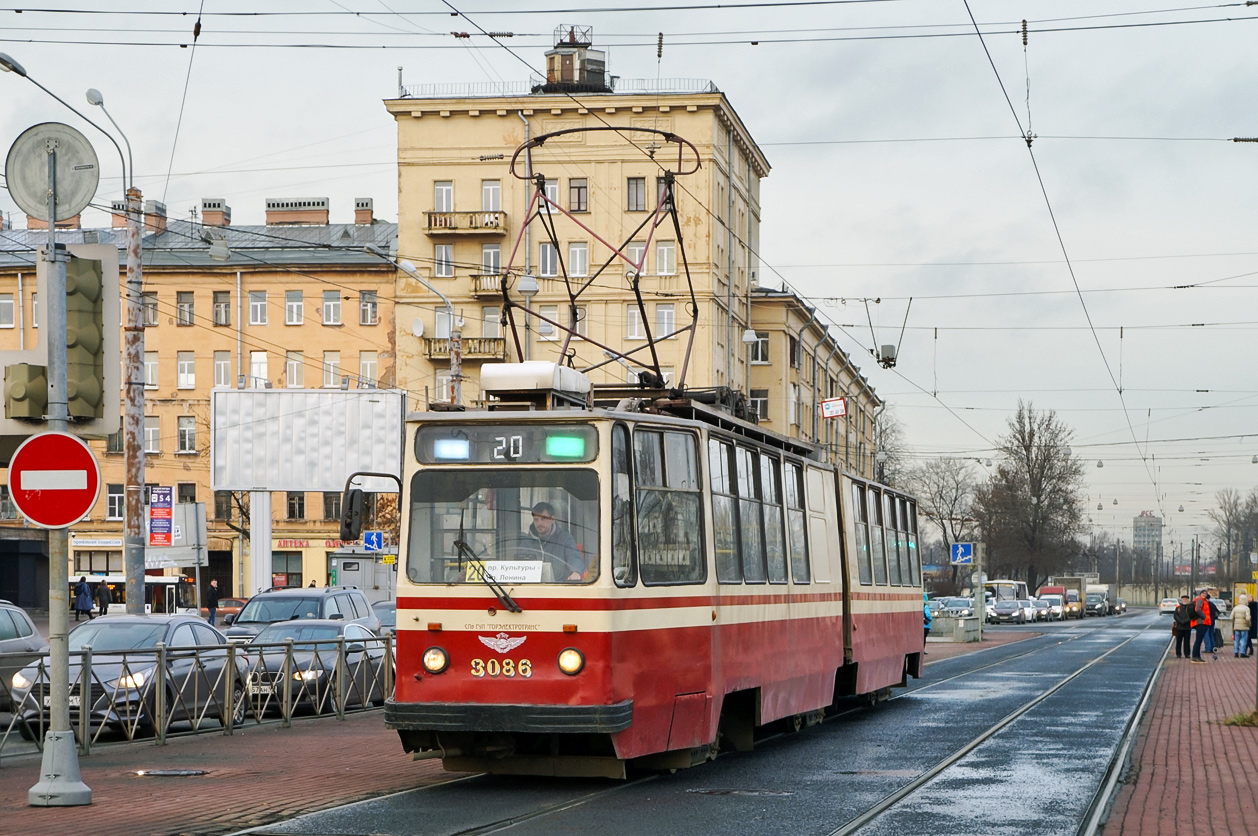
506	667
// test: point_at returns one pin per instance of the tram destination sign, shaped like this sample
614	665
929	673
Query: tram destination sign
506	443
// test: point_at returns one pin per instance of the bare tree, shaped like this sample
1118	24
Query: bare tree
1230	518
1031	509
944	489
891	454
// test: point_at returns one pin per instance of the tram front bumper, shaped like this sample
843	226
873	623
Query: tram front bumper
539	719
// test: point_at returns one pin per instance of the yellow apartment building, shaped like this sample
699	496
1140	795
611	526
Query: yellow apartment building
295	302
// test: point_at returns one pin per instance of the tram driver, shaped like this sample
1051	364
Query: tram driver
556	544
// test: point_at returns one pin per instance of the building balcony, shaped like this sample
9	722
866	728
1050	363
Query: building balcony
486	284
467	223
474	348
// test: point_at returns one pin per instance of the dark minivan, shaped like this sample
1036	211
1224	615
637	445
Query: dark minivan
346	603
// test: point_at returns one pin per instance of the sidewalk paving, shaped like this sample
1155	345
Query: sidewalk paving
1164	790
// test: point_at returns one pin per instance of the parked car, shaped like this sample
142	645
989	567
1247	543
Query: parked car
1096	604
123	667
345	603
226	607
1043	611
386	611
1168	605
959	607
1008	610
21	644
313	665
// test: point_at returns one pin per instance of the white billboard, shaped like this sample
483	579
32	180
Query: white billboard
304	439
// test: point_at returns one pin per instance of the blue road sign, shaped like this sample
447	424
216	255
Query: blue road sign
373	541
962	554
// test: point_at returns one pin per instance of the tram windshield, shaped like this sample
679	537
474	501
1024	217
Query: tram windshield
519	525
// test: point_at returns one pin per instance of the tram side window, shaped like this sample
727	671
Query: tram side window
902	541
861	511
910	523
893	538
774	535
724	512
670	528
751	540
877	544
796	523
624	567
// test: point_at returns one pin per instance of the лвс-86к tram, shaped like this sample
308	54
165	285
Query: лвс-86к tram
584	588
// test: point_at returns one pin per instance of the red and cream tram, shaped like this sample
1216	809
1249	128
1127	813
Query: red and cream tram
582	588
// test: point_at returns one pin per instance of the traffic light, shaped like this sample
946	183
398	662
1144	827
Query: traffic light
351	514
85	367
25	391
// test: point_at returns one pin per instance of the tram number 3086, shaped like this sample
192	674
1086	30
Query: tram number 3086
507	667
508	446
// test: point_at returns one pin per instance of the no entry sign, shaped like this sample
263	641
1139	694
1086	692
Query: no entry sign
54	479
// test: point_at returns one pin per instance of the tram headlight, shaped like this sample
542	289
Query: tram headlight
571	661
436	660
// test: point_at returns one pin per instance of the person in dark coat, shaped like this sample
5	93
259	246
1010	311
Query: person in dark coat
556	544
1181	627
1253	627
103	597
211	600
82	599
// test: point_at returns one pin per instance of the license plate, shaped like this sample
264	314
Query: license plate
263	688
74	701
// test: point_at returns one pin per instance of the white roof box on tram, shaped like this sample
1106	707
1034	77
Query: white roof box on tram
533	376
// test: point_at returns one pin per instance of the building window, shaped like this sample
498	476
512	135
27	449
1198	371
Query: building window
443	196
578	194
636	251
257	307
633	320
548	260
759	350
331	505
187	442
152	434
183	307
636	195
115	502
113	442
186	367
286	568
294	370
666	258
443	261
545	330
665	319
792	349
7	315
222	505
441	389
296	505
368	308
578	320
442	329
551	190
331	307
490	321
186	493
490	259
222	307
149	306
34	310
578	259
792	403
223	369
368	366
257	369
331	368
759	403
150	370
294	307
490	195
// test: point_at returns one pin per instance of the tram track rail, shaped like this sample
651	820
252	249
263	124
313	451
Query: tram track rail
1096	808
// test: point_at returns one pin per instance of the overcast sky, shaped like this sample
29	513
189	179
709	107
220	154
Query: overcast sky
898	172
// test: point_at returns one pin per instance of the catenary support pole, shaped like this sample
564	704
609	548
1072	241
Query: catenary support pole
133	412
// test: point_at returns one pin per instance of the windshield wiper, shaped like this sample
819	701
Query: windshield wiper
478	566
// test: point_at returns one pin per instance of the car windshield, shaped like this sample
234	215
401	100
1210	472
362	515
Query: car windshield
1094	598
386	611
519	525
299	633
111	637
267	610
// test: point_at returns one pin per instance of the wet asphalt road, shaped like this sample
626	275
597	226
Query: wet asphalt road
1036	776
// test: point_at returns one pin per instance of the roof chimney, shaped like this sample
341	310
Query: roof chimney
215	212
364	210
297	210
155	216
67	223
118	214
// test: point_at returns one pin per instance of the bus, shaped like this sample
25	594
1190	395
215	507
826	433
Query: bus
171	594
1005	590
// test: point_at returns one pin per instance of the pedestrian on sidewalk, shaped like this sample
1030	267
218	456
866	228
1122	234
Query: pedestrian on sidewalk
1201	624
927	618
1181	627
1215	637
211	600
82	599
1240	626
1253	627
103	597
